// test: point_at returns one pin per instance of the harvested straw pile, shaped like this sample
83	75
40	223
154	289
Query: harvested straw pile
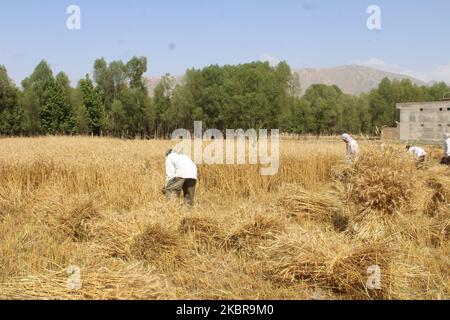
379	188
115	236
371	225
372	199
253	230
155	241
72	218
382	181
117	283
439	195
329	261
318	206
204	230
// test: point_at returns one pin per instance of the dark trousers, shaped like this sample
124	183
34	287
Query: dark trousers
446	160
420	162
174	187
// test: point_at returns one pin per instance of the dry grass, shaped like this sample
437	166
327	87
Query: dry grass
328	261
117	281
310	232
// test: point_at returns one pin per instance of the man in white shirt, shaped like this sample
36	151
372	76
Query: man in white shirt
181	174
446	158
418	153
352	148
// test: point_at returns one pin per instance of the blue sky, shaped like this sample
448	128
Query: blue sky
180	34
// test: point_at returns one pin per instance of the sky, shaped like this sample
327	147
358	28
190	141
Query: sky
179	34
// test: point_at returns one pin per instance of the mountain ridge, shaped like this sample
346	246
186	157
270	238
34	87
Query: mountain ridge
351	79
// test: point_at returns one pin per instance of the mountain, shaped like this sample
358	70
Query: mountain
152	82
353	79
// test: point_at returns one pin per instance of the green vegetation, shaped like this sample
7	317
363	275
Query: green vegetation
254	95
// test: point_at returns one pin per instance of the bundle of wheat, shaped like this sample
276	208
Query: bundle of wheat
116	236
379	187
329	261
439	195
117	282
71	217
382	181
318	206
342	173
203	229
153	242
253	230
373	225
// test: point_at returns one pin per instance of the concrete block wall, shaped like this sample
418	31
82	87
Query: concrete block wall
425	121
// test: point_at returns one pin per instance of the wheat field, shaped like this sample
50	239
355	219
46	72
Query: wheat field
314	231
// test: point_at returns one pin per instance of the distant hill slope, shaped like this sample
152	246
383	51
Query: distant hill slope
352	79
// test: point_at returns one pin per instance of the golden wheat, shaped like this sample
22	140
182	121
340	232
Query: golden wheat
310	232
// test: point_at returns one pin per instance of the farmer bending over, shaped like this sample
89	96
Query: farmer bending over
181	174
419	155
352	148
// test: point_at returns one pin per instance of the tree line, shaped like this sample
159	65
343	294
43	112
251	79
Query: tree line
115	102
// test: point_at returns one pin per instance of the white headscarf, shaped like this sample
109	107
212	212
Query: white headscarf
446	136
347	138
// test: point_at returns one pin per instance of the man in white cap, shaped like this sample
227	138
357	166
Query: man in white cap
418	153
181	174
352	148
446	158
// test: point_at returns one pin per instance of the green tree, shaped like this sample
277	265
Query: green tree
10	113
323	102
136	68
56	114
118	116
439	91
69	124
92	102
34	89
162	103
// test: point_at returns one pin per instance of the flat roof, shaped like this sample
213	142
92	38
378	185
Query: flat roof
429	104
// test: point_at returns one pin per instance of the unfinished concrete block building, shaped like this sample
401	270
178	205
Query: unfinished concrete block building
424	121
